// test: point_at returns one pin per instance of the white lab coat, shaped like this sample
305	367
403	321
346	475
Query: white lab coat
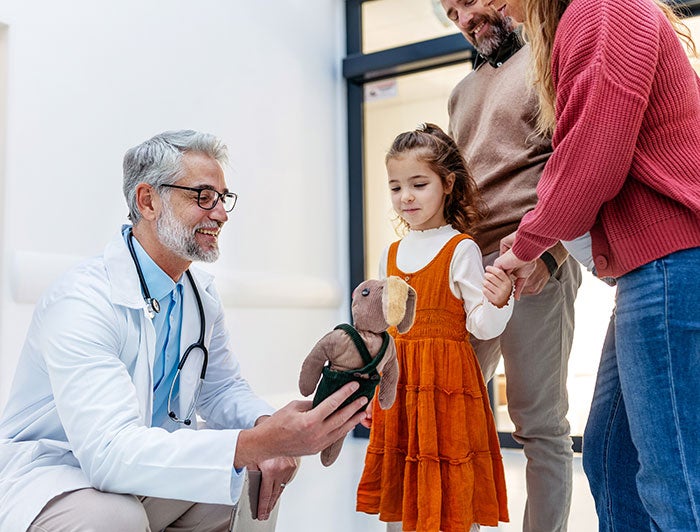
79	413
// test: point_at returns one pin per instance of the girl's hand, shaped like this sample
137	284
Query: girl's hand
497	286
367	421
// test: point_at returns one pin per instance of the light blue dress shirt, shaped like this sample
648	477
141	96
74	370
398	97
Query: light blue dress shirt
168	324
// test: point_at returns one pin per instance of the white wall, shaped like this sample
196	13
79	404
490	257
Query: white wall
87	80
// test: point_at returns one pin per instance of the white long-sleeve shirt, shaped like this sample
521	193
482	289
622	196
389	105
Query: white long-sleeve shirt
418	248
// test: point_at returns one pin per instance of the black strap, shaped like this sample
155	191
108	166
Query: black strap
367	358
367	377
550	262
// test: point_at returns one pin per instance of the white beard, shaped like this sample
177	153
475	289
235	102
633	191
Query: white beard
180	239
500	29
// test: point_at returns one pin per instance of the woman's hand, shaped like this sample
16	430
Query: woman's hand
520	269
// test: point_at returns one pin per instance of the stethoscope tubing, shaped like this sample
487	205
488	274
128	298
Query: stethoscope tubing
153	308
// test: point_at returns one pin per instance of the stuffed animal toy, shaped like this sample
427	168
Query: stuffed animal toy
363	352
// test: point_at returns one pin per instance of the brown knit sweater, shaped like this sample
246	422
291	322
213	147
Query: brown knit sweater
492	117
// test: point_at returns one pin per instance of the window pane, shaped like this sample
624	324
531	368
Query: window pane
390	23
400	104
391	107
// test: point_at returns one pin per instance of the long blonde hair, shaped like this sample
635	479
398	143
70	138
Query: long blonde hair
541	21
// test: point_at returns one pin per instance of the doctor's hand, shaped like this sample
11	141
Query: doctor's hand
517	268
276	474
298	430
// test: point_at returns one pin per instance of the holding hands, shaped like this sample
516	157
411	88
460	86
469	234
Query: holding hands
497	286
513	266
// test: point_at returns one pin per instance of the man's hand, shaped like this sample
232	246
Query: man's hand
537	280
512	265
298	430
276	474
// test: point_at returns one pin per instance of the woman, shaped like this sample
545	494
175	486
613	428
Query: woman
622	100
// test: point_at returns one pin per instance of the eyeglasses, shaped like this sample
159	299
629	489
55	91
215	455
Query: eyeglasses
207	198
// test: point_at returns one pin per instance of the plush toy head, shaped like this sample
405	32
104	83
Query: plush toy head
362	352
378	305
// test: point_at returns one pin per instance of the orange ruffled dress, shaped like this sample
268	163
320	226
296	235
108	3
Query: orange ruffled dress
433	459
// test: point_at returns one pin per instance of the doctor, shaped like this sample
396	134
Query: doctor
124	351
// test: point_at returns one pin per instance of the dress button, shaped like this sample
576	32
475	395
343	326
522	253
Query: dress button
601	262
407	278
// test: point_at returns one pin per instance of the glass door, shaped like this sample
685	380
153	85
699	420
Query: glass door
403	58
399	104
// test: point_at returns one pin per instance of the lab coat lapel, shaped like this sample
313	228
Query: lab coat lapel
126	291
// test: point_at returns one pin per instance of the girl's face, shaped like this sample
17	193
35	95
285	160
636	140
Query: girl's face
417	192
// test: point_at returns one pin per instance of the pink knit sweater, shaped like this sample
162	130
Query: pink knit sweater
626	162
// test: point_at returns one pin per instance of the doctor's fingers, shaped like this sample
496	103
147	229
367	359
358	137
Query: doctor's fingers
267	498
326	409
344	420
276	474
279	470
301	430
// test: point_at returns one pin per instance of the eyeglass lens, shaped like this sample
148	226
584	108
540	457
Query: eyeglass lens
207	199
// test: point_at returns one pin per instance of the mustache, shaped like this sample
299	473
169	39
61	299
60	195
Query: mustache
209	225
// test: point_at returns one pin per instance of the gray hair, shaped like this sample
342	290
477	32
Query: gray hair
158	161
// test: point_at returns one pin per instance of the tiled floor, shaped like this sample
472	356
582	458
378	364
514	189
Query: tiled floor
322	499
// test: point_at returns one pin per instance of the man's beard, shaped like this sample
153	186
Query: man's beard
180	239
500	28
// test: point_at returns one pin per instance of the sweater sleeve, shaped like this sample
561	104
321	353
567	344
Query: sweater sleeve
603	77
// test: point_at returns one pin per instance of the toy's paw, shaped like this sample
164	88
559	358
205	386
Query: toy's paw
330	453
386	396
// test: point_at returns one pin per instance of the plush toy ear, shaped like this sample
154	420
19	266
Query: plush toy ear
410	315
396	297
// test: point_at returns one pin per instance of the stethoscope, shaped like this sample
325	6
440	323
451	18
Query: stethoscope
153	308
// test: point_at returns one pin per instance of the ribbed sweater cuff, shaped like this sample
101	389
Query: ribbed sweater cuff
529	247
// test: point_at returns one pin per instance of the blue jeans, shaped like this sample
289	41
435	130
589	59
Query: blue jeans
641	449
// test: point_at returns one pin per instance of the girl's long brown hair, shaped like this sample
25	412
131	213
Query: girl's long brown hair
463	206
541	20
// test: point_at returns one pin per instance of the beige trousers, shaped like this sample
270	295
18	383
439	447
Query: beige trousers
90	510
535	347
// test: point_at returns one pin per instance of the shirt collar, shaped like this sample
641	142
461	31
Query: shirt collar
159	283
511	44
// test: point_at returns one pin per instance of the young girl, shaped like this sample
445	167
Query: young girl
433	462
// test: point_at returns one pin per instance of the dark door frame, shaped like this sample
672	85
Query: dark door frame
360	68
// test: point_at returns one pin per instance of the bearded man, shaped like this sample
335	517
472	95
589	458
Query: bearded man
493	113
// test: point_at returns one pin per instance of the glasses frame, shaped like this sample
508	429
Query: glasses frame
219	196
